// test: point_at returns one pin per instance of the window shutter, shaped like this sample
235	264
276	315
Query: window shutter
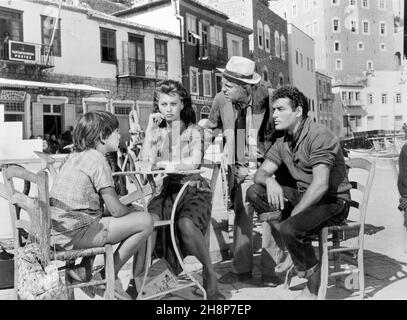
38	119
212	35
69	115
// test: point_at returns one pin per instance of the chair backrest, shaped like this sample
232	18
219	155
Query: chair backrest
365	189
37	208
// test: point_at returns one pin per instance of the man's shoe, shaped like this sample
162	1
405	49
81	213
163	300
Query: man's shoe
231	277
273	216
271	281
132	290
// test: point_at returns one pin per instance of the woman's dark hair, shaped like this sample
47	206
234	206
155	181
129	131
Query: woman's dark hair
171	87
297	98
91	127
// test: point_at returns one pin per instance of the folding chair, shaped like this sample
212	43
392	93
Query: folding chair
38	208
336	249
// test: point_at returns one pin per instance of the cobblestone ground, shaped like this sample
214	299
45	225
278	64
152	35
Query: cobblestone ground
385	259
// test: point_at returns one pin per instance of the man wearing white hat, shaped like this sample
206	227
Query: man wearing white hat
244	115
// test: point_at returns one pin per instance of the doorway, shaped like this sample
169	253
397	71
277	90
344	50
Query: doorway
53	124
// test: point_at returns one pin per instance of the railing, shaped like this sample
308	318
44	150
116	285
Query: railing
28	53
352	102
212	53
142	69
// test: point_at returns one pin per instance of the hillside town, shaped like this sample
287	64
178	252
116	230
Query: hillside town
340	64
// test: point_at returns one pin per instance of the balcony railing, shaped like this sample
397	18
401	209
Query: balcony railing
212	53
27	53
133	68
351	102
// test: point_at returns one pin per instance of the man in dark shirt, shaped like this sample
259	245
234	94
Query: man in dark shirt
314	158
243	113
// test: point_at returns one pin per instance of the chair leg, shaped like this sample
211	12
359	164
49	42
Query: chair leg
109	272
336	256
70	293
361	272
323	247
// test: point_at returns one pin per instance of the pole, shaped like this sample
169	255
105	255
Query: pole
53	31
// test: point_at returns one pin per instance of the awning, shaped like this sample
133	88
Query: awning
194	35
355	111
23	84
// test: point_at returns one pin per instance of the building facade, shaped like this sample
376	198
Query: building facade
351	36
209	38
268	43
98	62
325	100
301	59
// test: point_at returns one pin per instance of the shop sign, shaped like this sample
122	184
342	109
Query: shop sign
201	100
12	95
21	51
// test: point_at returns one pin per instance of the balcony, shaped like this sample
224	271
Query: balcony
26	53
352	102
132	68
328	96
212	53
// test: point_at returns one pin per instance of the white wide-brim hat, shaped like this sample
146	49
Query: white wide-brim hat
242	69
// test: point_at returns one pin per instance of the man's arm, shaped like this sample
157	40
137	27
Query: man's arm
264	176
316	190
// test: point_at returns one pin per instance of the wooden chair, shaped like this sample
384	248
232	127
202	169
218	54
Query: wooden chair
39	205
335	231
139	198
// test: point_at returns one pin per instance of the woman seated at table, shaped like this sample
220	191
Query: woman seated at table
174	142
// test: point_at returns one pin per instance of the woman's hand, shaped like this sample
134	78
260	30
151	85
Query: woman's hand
155	119
275	194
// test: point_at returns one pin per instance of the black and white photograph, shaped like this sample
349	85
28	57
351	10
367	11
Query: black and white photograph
191	152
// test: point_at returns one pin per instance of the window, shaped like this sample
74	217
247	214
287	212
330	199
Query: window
295	12
357	96
314	4
308	29
344	96
218	79
283	47
369	65
194	80
302	60
11	22
306	5
398	98
335	3
336	25
365	4
370	123
277	44
307	63
218	37
383	28
260	34
266	38
296	57
315	27
191	29
384	98
370	98
161	57
383	47
47	27
312	65
366	27
361	46
398	122
337	46
205	111
353	26
234	45
352	2
280	80
382	4
207	83
108	45
338	64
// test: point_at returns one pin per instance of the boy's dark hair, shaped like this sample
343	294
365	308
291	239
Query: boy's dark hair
171	87
91	127
297	98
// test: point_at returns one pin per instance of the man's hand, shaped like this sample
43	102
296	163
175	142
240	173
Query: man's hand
275	194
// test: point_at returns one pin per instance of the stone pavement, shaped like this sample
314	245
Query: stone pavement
385	259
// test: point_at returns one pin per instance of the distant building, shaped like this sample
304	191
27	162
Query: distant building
268	43
325	100
98	62
301	62
351	37
208	39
